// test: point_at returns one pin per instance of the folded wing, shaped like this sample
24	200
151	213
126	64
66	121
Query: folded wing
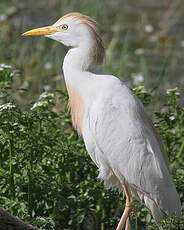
128	143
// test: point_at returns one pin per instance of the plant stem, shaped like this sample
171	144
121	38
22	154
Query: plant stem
124	55
11	171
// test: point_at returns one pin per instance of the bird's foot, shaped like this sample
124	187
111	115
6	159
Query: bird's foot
130	205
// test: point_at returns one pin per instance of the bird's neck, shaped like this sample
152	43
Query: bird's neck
76	72
78	59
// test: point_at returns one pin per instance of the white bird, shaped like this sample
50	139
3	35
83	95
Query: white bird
118	135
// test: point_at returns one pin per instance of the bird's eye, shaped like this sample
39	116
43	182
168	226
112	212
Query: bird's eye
64	27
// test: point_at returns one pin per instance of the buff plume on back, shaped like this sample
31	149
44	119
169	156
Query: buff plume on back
118	135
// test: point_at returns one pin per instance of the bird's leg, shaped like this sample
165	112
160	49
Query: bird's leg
128	208
128	226
130	204
123	219
132	212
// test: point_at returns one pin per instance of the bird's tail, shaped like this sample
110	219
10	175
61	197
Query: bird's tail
158	215
160	209
161	206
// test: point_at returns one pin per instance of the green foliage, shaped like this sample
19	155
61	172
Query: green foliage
47	177
5	79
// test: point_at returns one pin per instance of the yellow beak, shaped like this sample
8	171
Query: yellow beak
41	31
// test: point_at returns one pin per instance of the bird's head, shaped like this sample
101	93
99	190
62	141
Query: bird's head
74	30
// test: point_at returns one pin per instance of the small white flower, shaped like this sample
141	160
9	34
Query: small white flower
40	218
38	104
182	43
172	118
174	131
140	87
139	51
45	95
138	78
5	66
7	106
48	163
169	91
47	87
48	65
3	17
148	28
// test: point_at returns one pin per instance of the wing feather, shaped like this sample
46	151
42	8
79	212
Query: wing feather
149	123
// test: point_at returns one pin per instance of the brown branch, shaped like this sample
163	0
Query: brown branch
10	222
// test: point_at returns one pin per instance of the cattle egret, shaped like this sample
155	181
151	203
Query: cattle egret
118	135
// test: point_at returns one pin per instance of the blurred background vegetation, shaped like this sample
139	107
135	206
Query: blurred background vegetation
156	36
46	176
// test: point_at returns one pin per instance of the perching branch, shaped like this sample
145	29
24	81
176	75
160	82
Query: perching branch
10	222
